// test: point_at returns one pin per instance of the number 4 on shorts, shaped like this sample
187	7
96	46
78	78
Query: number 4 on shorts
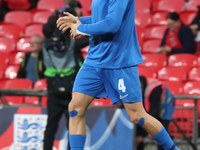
121	85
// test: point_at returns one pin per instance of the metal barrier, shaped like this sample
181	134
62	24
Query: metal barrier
21	92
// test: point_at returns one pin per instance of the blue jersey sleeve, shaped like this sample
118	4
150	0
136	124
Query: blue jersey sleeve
85	20
111	23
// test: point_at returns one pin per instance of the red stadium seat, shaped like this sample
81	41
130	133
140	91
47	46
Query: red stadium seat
187	17
172	74
18	4
147	72
192	5
185	103
150	46
154	32
101	102
191	88
84	51
142	19
44	101
3	60
17	84
34	29
198	60
183	114
41	16
21	18
2	83
33	11
194	74
16	58
86	7
7	45
186	61
50	5
33	100
142	6
11	31
169	5
40	84
155	61
1	73
174	86
140	35
159	18
11	71
23	44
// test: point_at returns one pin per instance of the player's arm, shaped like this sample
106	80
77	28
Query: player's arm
110	24
86	20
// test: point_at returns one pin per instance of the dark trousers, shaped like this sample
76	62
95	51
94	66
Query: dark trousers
56	106
165	123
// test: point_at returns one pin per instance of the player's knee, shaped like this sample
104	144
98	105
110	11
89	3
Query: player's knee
134	119
71	106
75	110
137	120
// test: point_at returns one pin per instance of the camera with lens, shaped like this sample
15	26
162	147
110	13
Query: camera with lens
55	39
58	42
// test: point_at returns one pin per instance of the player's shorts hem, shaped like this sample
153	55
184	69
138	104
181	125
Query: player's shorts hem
127	101
89	94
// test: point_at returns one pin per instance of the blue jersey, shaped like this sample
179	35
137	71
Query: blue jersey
113	43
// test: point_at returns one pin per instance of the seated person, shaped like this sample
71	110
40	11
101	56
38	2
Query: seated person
178	38
159	103
32	66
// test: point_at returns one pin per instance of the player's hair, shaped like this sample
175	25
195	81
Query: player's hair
174	16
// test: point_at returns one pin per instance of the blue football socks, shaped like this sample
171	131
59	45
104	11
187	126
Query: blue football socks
164	140
77	142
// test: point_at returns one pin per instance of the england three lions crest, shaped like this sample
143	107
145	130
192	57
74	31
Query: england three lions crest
29	131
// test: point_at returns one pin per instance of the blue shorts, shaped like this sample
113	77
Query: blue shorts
120	85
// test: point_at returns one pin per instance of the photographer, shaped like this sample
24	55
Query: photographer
61	68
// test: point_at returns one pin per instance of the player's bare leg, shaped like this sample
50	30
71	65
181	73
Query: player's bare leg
136	111
77	109
138	115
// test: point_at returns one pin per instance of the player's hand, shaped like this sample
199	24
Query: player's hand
74	27
65	22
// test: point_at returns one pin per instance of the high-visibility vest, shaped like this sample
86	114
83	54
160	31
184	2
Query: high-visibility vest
167	98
